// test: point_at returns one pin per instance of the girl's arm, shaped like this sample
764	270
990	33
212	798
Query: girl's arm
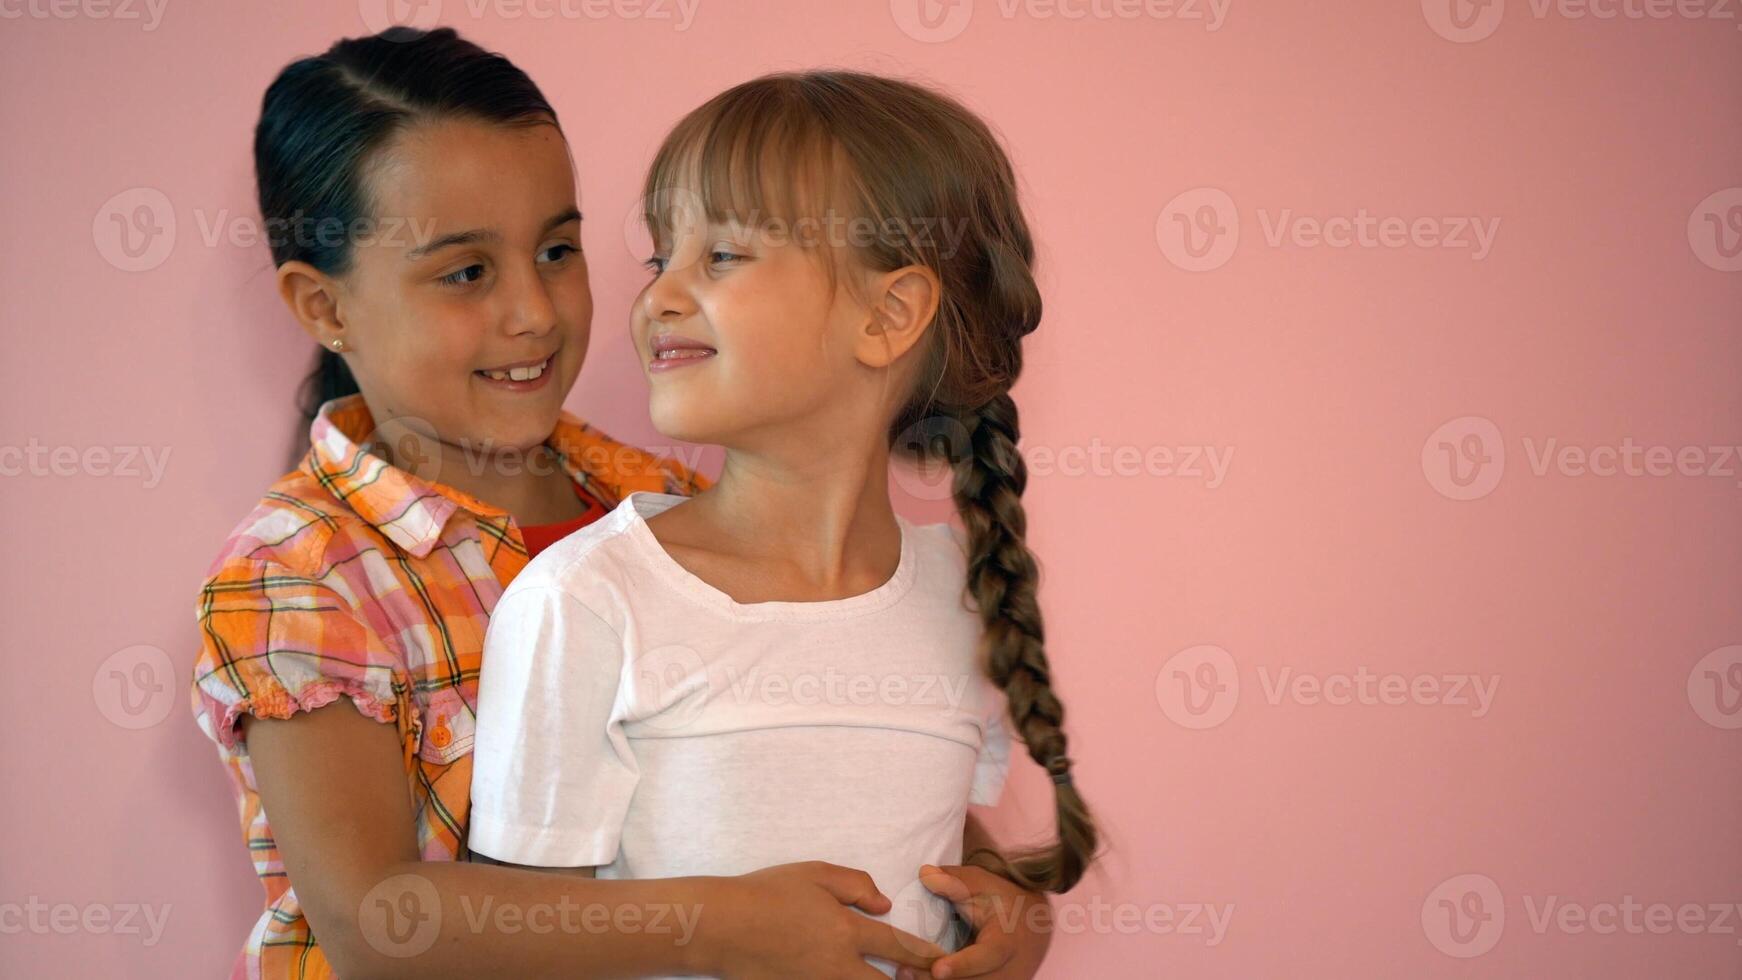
333	782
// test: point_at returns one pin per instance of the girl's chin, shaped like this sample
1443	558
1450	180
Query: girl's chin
684	427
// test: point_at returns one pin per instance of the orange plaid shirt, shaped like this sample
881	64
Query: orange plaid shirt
354	578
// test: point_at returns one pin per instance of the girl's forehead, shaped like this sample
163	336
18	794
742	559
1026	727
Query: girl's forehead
468	172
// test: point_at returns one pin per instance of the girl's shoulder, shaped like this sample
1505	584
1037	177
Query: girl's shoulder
295	525
601	560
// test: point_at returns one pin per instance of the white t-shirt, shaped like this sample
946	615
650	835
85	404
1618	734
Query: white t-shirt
635	718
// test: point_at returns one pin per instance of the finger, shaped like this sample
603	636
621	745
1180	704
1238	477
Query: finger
945	883
973	961
905	948
851	886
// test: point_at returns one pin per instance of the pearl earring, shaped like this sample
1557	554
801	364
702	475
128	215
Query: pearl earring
338	344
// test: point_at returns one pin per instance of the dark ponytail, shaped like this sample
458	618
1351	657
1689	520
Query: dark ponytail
322	119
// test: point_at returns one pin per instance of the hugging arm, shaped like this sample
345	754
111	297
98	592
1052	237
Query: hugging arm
1012	927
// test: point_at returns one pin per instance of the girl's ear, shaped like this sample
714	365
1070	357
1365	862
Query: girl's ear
312	297
903	304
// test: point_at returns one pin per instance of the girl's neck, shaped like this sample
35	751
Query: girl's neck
532	486
827	519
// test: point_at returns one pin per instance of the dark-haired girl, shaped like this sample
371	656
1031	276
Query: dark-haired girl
426	236
782	667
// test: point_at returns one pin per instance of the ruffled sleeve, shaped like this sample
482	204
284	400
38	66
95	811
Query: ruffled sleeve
274	643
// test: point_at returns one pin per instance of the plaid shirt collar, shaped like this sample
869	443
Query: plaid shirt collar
411	509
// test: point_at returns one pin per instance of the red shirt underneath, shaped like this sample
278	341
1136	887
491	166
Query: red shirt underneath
541	536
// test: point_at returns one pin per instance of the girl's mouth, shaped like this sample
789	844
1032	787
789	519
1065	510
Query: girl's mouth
670	351
521	377
665	360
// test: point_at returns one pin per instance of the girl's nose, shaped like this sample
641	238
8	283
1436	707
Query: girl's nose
532	312
668	297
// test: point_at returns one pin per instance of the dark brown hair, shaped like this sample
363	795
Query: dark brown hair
937	190
325	117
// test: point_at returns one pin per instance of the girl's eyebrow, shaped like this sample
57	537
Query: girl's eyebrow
562	217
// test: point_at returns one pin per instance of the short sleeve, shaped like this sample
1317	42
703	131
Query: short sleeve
552	771
993	763
274	643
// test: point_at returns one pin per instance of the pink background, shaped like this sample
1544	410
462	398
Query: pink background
1603	313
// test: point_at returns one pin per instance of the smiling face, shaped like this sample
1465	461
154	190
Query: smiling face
469	309
742	332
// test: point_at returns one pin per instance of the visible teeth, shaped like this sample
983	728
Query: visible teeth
519	373
677	352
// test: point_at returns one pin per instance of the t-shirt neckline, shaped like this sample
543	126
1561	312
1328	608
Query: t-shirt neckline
642	504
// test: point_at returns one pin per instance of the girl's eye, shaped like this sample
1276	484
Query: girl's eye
460	277
556	253
655	264
720	257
